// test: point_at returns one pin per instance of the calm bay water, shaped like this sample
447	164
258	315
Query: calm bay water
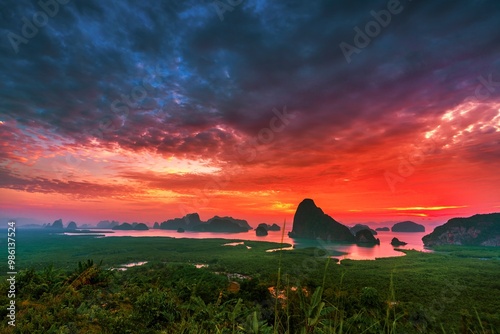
354	252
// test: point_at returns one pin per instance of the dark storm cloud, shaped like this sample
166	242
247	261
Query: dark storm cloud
173	78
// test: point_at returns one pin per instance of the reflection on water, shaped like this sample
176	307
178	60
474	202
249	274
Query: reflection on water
341	251
234	243
279	249
95	234
385	249
124	267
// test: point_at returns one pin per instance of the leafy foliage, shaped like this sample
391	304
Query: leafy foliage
418	293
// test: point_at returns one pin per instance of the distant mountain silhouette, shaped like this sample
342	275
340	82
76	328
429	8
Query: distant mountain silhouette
273	227
310	222
380	229
192	222
408	226
187	222
358	227
477	230
223	224
133	226
124	226
58	224
71	226
107	224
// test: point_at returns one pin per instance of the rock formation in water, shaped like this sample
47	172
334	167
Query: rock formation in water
408	226
192	222
188	222
57	224
124	226
477	230
261	230
310	222
129	227
223	224
358	227
141	227
397	242
380	229
365	237
72	226
107	224
156	226
273	227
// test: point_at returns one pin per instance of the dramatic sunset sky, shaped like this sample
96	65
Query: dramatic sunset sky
145	111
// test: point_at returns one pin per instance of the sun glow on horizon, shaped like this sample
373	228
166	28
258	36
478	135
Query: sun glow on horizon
428	208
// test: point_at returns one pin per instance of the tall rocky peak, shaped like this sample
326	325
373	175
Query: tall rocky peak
310	222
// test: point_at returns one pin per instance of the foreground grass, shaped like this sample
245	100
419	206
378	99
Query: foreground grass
418	293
